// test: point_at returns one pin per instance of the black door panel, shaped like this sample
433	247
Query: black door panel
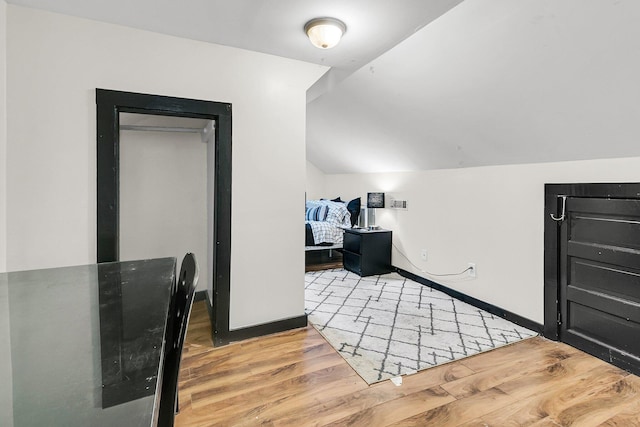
605	303
605	278
604	328
600	276
618	232
611	255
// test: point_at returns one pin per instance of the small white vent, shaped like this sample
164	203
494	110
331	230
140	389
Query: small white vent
398	204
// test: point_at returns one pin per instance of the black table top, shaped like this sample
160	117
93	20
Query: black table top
82	346
366	230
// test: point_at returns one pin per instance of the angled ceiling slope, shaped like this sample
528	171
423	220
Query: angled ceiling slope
490	82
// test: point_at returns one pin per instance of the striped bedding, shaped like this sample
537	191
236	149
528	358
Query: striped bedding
327	219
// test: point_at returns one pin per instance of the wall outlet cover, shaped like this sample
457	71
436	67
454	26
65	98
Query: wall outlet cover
472	270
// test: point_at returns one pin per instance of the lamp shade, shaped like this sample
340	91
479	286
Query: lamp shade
375	200
325	33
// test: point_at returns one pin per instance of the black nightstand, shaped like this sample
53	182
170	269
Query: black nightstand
367	252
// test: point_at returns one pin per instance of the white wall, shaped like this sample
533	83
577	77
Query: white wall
163	197
492	216
315	188
3	136
211	181
54	64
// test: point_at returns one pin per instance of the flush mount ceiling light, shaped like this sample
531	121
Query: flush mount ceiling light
325	33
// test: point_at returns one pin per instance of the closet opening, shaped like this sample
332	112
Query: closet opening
150	165
166	179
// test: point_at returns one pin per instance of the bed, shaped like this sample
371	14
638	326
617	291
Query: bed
325	221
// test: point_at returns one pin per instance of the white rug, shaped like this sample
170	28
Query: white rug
385	326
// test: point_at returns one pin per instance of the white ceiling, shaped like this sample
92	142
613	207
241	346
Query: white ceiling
420	84
269	26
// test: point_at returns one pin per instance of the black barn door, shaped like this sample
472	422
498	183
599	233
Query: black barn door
599	275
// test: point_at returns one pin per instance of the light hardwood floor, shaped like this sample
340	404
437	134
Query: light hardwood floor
297	379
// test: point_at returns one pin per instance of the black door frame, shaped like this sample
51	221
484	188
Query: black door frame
109	104
552	238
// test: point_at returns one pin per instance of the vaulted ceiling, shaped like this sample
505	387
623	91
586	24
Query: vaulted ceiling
490	82
419	84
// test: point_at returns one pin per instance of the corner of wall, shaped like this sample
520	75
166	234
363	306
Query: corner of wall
6	388
3	136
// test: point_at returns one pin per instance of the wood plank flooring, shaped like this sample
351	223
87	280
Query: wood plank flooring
316	263
297	379
324	266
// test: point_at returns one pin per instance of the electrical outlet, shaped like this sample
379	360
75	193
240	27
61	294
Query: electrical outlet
423	254
472	269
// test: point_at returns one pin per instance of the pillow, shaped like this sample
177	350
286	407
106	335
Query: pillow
337	199
319	213
354	209
338	214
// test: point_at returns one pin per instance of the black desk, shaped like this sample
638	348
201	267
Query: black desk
83	346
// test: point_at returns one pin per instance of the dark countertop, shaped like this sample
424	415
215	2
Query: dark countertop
82	346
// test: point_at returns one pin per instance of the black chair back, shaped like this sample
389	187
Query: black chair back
179	313
185	291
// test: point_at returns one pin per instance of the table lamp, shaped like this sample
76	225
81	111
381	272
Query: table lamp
374	201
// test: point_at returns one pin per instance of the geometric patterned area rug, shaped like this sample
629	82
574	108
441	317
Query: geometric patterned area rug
387	326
